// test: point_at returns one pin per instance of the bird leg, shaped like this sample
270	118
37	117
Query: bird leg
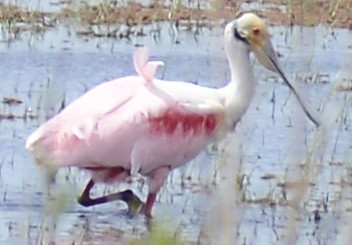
156	179
133	202
147	208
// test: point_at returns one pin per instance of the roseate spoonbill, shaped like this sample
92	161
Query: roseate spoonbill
143	125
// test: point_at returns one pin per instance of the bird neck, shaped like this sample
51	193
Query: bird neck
239	92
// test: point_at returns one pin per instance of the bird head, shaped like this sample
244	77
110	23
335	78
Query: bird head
252	32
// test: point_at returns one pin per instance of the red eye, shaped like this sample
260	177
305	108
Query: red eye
256	31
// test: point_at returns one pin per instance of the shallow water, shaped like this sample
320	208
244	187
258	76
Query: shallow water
274	139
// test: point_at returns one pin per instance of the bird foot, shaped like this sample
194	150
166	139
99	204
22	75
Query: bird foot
85	201
135	205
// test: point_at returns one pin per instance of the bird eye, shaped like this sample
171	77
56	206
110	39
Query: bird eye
256	31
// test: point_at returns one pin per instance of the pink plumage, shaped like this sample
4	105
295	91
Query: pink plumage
139	124
131	125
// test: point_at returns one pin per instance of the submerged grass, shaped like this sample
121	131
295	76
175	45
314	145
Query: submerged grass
158	236
334	13
188	15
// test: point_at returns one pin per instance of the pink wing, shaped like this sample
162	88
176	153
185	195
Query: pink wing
145	131
79	120
81	117
145	68
129	124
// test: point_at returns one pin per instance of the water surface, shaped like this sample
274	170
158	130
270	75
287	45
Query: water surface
267	152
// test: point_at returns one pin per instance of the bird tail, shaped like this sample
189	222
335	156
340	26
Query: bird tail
145	68
37	142
31	141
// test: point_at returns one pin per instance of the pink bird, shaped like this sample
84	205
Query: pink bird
143	125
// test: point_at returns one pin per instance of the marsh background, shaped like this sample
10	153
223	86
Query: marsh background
276	179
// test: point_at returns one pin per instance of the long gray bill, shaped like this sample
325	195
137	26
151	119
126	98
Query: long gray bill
311	114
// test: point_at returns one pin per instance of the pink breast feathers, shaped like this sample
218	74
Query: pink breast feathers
175	122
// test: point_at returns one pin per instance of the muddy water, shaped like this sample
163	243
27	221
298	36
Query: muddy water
268	150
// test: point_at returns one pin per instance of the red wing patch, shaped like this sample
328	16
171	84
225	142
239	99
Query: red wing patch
174	121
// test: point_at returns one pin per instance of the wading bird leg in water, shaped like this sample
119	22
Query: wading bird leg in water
133	202
147	208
